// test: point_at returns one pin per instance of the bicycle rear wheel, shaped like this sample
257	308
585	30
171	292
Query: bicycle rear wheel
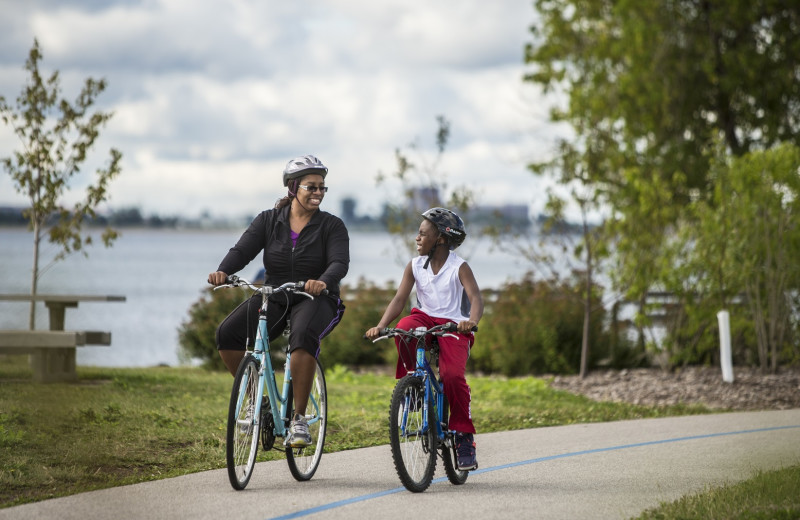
413	448
243	429
303	462
447	450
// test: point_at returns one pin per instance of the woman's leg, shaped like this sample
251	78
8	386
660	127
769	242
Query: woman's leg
312	320
237	331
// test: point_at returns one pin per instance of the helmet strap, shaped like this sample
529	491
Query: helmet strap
430	253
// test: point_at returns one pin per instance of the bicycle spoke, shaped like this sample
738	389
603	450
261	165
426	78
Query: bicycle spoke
243	424
413	447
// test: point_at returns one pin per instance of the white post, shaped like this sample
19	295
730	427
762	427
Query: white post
725	346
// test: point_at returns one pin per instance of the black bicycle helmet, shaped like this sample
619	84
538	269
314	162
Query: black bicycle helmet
302	166
449	224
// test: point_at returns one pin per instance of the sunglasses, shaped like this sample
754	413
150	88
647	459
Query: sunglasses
314	189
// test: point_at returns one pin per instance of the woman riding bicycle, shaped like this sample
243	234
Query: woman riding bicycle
300	243
446	291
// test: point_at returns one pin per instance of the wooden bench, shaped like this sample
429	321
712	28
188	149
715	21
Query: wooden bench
53	351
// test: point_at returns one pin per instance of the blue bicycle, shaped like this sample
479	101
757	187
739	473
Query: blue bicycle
254	416
419	414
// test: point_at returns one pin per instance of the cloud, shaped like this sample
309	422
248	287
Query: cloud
211	99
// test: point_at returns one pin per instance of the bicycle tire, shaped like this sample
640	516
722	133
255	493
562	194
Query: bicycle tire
413	452
447	450
303	462
243	432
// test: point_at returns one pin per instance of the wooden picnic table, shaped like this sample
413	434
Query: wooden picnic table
53	352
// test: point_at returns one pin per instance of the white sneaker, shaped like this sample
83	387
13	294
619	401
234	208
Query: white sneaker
298	433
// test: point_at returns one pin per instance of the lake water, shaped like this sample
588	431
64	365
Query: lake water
162	272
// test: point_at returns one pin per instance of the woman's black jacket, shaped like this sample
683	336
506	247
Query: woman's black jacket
322	251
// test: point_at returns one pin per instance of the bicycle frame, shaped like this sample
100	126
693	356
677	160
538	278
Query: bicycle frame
278	400
425	372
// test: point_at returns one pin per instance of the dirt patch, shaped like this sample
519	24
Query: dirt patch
750	389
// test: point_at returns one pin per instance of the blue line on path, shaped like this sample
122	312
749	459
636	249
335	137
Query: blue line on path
363	498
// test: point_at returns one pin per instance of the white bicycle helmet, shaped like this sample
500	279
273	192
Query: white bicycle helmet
302	166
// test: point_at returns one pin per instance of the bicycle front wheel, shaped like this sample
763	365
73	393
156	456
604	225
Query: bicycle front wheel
243	428
413	446
303	462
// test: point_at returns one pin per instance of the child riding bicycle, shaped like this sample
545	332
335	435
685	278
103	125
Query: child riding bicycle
446	292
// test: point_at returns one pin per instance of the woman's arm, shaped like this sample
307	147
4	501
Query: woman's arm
338	254
247	247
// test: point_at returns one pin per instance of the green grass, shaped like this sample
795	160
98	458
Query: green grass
121	426
772	495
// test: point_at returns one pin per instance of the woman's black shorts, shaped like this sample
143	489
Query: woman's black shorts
312	320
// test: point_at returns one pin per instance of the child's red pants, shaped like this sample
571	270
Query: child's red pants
453	355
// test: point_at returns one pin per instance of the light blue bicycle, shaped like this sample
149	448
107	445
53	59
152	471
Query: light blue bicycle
259	412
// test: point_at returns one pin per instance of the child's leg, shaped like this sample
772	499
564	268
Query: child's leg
453	355
407	349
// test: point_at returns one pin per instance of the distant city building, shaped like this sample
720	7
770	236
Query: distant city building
349	210
504	218
424	198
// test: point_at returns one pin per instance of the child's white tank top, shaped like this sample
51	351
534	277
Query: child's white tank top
441	295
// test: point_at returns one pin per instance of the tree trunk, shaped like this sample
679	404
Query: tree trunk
37	237
587	305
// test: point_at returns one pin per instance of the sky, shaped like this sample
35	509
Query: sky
211	99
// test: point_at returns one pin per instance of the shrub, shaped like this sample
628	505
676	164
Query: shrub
535	327
346	345
197	335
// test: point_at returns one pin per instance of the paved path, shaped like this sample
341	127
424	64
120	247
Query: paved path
607	470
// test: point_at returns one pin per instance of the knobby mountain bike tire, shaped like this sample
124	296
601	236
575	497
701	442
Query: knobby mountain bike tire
303	462
448	453
243	428
413	448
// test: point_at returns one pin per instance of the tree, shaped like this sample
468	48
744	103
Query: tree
649	86
588	253
423	186
56	137
759	195
651	83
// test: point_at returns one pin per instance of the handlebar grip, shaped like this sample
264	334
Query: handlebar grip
302	286
453	327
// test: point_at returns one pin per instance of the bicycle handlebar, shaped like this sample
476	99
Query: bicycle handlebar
292	287
444	329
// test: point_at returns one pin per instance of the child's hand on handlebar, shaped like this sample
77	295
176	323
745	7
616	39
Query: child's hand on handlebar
467	326
373	333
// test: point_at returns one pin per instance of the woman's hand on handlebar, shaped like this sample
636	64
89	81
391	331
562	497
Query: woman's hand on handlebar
217	278
315	287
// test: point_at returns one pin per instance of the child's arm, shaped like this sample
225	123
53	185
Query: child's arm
475	299
397	304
